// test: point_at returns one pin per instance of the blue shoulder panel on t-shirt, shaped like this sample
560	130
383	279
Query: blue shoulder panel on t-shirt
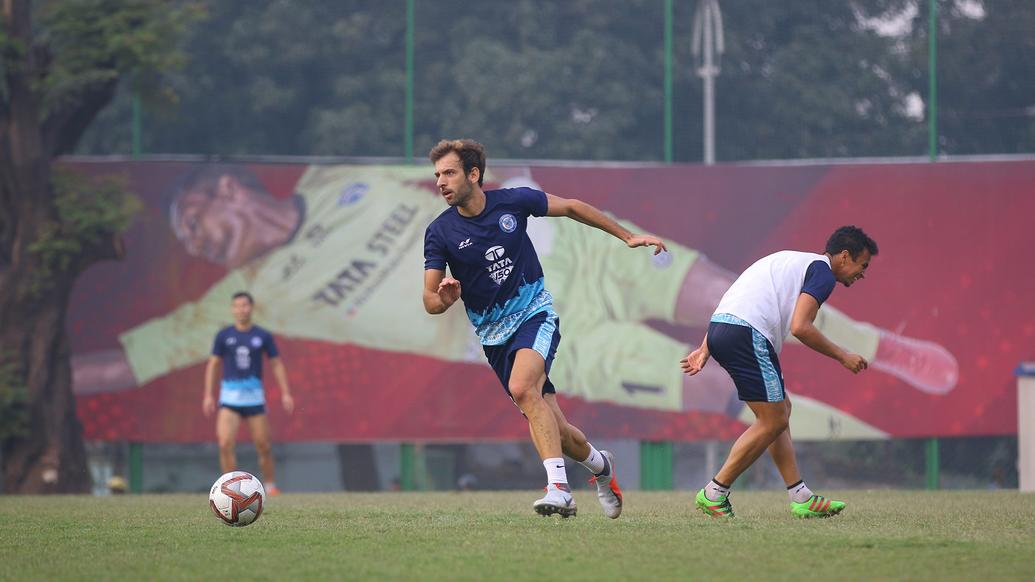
819	281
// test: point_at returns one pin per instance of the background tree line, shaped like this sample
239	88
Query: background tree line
583	79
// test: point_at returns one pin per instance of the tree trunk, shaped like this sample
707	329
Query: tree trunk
51	458
48	99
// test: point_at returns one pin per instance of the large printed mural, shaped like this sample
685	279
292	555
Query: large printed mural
334	257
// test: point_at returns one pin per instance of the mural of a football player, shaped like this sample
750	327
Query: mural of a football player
337	258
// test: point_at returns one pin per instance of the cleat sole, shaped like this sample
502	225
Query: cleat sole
546	510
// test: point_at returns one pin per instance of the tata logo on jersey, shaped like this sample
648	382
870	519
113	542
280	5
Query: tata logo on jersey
501	267
495	253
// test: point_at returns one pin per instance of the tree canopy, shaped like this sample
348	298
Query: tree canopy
584	80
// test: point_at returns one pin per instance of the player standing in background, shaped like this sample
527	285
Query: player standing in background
779	293
495	270
238	350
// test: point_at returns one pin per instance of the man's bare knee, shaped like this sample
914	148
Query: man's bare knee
524	395
774	420
775	424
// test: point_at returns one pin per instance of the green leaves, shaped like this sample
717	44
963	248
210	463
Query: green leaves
90	211
93	42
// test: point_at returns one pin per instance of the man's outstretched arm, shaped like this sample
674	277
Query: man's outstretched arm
803	328
590	215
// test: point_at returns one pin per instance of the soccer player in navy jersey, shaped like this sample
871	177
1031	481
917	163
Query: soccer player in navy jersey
495	270
779	294
238	350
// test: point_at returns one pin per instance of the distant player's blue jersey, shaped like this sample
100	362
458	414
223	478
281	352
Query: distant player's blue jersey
501	280
241	352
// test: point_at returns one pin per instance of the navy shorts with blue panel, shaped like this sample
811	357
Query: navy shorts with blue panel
542	333
246	411
748	357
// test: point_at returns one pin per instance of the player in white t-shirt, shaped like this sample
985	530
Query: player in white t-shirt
777	295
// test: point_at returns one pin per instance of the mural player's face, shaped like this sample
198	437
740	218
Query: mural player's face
211	225
455	186
850	270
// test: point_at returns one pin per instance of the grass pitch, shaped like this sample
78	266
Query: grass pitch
487	535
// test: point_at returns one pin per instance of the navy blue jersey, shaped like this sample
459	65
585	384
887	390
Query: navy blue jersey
241	352
501	280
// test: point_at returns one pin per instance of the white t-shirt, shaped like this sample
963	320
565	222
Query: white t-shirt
766	293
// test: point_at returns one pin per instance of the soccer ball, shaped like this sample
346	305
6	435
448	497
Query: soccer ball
236	498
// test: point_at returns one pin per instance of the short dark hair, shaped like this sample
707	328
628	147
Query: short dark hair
204	178
471	153
851	239
244	294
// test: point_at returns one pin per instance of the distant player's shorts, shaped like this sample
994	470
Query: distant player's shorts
246	411
748	357
542	333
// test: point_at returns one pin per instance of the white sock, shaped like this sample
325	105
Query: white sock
799	492
715	491
595	462
555	471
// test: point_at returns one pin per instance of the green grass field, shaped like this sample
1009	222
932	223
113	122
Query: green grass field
483	535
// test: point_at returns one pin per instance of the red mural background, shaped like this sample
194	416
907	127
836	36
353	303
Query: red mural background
952	270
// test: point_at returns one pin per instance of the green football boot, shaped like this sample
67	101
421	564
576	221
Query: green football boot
817	506
720	508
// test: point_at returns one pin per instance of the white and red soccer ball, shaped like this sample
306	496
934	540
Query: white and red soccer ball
237	498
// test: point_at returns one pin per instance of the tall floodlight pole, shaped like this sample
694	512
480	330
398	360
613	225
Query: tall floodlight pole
708	46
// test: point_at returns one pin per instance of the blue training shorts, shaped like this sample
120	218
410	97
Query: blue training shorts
542	333
749	358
